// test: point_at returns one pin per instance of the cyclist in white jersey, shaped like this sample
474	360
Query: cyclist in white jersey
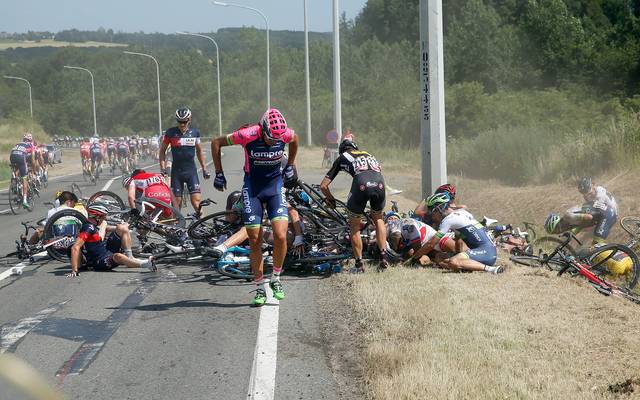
603	206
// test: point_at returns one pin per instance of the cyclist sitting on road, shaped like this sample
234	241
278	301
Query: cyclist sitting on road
264	145
104	247
20	157
185	144
150	185
367	186
481	255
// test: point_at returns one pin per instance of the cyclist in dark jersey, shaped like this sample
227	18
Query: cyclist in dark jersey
367	186
185	144
22	155
102	252
264	145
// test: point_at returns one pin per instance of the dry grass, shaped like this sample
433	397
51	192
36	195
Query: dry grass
524	334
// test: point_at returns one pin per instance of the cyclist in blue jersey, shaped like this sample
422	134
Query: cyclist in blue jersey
481	254
104	247
185	144
264	145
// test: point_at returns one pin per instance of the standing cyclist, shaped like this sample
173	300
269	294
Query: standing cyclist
185	144
263	185
367	186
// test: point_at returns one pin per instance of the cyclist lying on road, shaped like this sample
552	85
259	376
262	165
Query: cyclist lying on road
102	252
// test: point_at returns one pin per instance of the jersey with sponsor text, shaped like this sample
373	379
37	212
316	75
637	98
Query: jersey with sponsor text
183	146
354	162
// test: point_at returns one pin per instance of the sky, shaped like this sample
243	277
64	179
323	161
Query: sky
167	16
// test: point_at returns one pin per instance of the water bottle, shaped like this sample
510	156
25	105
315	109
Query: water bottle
321	268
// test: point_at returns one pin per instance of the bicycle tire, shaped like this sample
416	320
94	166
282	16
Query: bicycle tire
546	245
112	201
236	271
535	262
13	197
214	225
60	253
313	259
631	225
629	279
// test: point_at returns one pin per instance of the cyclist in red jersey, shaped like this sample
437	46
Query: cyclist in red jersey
147	184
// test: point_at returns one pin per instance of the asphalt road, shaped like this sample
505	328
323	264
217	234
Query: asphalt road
184	332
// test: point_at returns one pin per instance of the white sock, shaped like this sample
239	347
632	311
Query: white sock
222	247
128	253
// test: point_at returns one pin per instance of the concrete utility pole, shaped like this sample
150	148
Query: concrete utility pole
158	82
336	69
432	129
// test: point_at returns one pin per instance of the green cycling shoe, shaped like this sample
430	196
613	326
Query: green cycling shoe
260	299
278	292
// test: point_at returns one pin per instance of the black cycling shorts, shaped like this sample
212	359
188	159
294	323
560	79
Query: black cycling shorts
366	187
19	161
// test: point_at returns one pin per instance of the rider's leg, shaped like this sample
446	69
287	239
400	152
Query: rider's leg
356	240
255	256
279	229
122	230
195	201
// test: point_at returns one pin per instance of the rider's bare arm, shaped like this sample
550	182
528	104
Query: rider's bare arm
131	195
324	188
216	145
200	155
426	249
76	255
162	154
293	149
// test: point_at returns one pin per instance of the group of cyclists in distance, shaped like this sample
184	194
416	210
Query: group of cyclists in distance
122	153
439	230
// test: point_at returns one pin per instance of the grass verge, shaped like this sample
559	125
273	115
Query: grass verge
523	334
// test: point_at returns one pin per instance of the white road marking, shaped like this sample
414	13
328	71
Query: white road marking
263	373
17	269
10	335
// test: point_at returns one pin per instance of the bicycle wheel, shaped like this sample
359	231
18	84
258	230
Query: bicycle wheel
315	258
631	225
15	196
61	231
616	263
235	270
214	225
112	201
547	244
535	262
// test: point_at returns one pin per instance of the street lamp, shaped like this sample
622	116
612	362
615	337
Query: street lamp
158	79
306	71
266	21
28	84
93	96
218	71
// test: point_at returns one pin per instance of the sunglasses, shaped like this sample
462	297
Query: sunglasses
183	122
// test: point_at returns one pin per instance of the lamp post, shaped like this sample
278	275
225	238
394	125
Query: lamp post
266	21
158	80
218	72
93	96
306	71
336	69
28	84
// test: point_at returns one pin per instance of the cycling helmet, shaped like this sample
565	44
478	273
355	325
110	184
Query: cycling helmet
97	210
437	199
391	214
233	198
27	137
585	185
273	124
346	143
552	222
447	188
183	114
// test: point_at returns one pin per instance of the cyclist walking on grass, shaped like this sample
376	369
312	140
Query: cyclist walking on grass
367	186
185	144
264	145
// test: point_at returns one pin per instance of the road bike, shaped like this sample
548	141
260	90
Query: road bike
611	269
